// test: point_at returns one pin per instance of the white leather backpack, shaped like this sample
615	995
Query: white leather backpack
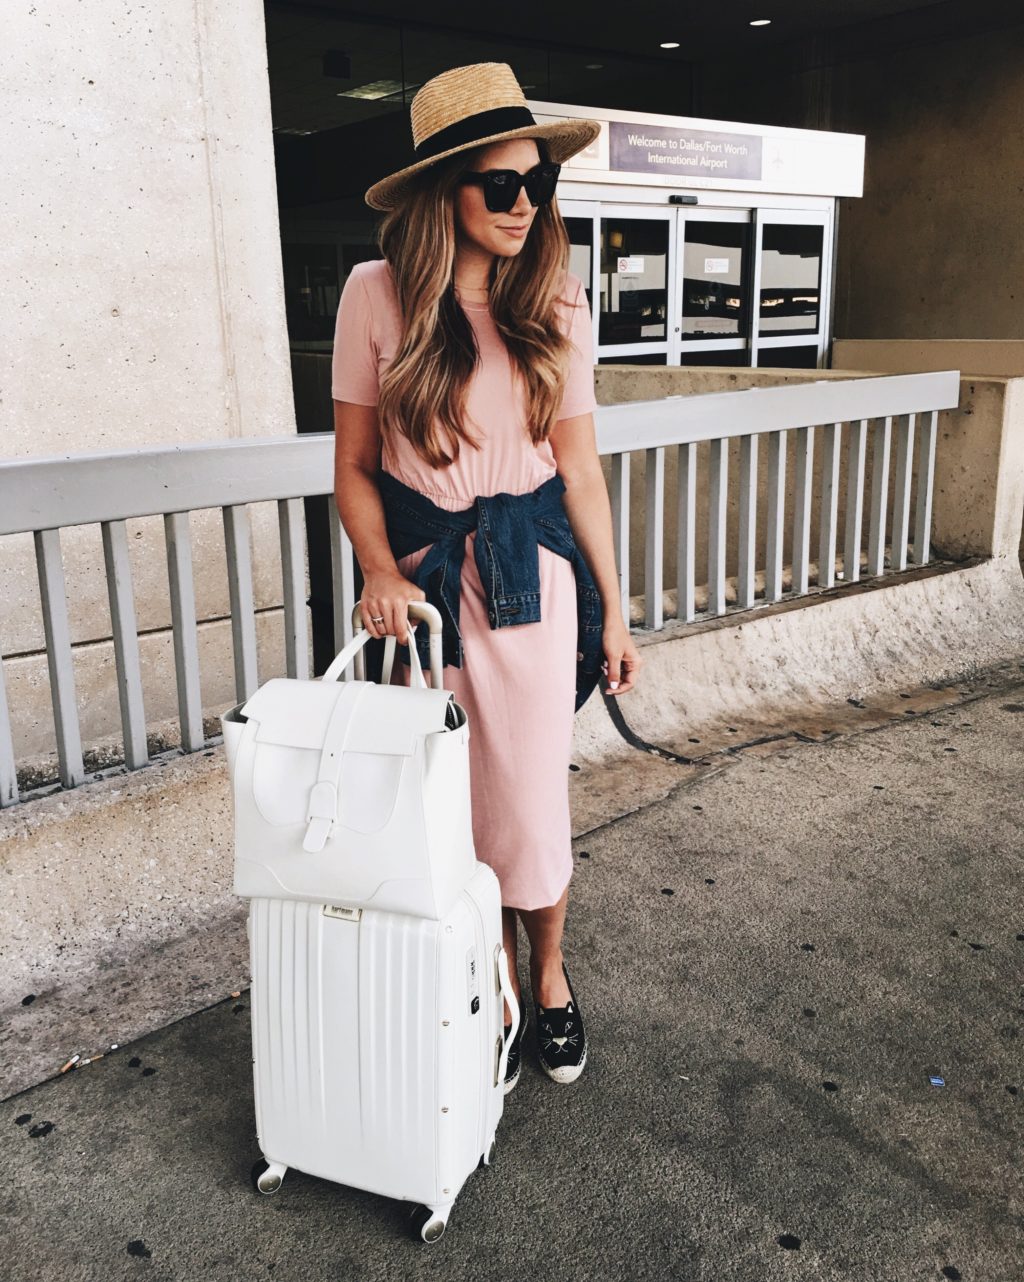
354	793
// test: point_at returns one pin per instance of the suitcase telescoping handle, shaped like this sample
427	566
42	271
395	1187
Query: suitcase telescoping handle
354	650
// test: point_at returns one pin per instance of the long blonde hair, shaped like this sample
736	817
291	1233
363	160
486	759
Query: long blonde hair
423	391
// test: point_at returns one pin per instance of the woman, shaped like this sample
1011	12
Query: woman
463	388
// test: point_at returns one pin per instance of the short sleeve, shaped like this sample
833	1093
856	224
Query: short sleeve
354	360
578	397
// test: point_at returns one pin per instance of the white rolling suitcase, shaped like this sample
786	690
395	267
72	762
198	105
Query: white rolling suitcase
378	1045
378	975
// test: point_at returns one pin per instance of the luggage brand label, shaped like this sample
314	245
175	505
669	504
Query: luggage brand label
342	914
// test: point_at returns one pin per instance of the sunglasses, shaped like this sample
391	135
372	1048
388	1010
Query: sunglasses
502	186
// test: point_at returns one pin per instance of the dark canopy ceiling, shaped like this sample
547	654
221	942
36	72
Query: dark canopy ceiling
705	29
343	73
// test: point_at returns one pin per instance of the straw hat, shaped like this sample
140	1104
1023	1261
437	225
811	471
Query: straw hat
467	107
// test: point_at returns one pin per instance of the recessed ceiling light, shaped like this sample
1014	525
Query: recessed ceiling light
594	66
761	22
670	44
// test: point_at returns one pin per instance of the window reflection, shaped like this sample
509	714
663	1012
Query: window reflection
634	280
790	278
715	300
311	291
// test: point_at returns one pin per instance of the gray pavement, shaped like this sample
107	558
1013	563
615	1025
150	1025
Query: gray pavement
772	962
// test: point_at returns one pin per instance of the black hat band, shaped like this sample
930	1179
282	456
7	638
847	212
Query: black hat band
496	121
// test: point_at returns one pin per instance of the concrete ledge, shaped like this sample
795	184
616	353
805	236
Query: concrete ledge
790	669
116	912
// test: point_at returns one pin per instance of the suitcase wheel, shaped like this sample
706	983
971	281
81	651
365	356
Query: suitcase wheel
428	1223
267	1176
488	1157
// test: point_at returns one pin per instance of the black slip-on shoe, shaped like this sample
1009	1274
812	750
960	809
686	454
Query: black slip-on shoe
515	1055
561	1038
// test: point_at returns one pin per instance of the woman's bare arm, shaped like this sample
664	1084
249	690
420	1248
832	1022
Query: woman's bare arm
356	461
574	444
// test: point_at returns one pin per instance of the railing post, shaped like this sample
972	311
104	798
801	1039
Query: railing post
243	605
620	526
901	498
718	486
185	629
8	767
746	570
828	515
879	494
686	531
58	654
802	508
776	515
854	499
925	487
126	643
654	564
293	577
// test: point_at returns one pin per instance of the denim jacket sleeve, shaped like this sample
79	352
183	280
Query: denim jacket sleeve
509	529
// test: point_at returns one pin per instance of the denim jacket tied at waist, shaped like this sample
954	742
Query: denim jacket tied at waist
509	528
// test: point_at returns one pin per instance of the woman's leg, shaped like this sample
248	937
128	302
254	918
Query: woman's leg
510	941
544	928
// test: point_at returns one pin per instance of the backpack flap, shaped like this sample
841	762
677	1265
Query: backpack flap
321	747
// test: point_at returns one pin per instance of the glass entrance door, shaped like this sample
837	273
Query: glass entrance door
701	286
712	315
635	286
581	222
790	318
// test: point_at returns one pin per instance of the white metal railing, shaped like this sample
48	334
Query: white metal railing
43	496
893	404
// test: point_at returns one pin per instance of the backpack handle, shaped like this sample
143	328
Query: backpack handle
354	650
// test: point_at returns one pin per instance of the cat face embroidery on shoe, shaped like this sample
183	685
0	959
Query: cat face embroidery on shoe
557	1036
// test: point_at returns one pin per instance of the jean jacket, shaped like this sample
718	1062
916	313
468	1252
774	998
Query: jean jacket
509	529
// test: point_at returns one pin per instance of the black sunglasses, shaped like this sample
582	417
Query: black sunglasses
502	186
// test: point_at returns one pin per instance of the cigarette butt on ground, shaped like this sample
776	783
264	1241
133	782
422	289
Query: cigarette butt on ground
71	1063
236	994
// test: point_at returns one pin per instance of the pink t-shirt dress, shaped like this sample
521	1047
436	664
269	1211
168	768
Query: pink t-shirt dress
517	683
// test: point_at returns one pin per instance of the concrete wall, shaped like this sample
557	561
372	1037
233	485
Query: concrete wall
977	356
144	297
144	304
933	247
934	250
